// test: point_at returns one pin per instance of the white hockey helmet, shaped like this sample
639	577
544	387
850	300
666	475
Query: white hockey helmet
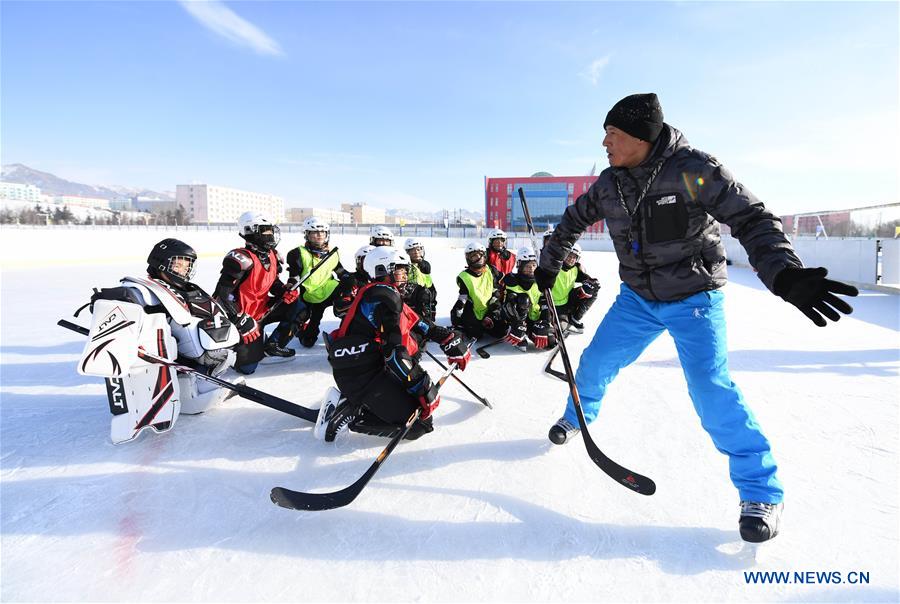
496	234
361	256
474	246
412	242
525	254
361	252
549	231
316	225
576	249
381	233
475	255
258	230
381	262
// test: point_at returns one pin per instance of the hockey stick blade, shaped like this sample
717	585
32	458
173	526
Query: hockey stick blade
556	373
314	502
552	357
317	502
483	353
638	483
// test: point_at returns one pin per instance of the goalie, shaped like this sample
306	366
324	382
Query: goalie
167	316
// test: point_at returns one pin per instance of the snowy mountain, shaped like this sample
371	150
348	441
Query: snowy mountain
50	184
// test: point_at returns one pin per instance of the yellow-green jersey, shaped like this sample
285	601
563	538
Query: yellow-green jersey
322	283
479	289
565	282
420	273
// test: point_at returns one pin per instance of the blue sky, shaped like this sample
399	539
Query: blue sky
412	104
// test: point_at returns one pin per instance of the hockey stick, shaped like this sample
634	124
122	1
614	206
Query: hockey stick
636	482
298	500
297	285
483	353
551	371
481	399
251	394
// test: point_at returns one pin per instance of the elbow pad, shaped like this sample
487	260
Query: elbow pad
404	368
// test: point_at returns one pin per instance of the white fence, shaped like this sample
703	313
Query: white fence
867	262
862	261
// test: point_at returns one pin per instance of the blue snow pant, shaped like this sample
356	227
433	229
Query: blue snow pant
697	324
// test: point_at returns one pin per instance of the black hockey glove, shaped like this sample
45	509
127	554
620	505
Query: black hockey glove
457	311
429	400
544	279
540	334
247	327
515	309
454	346
812	293
590	288
516	334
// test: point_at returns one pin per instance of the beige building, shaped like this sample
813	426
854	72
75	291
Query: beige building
360	213
298	215
212	203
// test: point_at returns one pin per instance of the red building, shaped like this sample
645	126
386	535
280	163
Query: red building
548	196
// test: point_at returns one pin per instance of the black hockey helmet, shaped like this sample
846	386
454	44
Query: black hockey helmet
172	260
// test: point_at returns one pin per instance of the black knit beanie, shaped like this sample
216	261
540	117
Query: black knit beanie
640	115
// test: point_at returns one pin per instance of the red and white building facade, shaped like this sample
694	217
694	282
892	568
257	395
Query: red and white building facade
548	197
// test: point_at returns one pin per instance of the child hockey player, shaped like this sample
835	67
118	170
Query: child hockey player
476	308
573	302
318	291
524	306
166	315
249	286
498	256
420	293
348	288
374	357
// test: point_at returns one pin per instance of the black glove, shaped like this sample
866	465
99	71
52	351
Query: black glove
540	334
454	346
812	293
247	327
590	287
428	396
515	309
516	334
544	279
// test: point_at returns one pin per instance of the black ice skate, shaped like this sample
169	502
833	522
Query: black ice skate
759	521
272	349
308	336
345	414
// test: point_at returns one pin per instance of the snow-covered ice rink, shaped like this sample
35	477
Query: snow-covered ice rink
484	508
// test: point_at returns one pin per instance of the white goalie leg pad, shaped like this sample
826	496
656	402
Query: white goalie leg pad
198	395
149	396
112	346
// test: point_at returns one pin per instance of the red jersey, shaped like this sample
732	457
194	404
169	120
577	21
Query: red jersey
497	260
408	320
253	293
